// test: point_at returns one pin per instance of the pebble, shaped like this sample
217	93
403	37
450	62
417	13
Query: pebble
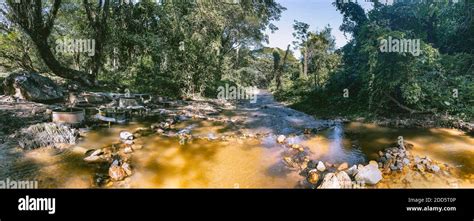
321	166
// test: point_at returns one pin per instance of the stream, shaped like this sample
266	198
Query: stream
249	162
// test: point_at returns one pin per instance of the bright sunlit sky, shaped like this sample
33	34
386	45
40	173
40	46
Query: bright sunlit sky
316	13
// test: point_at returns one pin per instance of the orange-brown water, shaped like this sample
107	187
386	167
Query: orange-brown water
236	163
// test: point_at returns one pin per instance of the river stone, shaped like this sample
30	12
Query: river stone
125	135
330	182
33	87
420	167
369	174
127	168
344	180
343	166
352	171
137	146
92	159
435	168
117	173
406	161
281	138
128	150
313	176
321	166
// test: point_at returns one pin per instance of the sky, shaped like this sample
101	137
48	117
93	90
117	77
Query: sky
316	13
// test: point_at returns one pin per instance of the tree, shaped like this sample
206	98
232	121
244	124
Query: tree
37	22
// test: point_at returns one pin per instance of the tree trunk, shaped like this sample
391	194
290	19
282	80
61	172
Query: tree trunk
37	23
280	68
305	64
57	68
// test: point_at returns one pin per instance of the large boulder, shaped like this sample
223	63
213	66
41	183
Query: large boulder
33	87
369	174
339	180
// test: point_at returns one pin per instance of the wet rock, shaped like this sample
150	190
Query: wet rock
94	155
352	171
127	168
125	135
33	87
281	138
406	161
117	173
420	167
381	154
369	174
313	176
343	166
435	168
128	150
92	159
137	146
321	166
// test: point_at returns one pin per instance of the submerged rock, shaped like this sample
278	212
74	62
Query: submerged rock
313	176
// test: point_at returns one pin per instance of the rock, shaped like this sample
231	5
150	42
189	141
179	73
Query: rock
92	159
330	181
128	170
381	154
336	181
420	167
406	161
33	87
344	180
373	162
281	138
321	166
313	176
435	168
137	146
343	166
128	150
369	174
125	135
327	164
352	171
117	173
93	152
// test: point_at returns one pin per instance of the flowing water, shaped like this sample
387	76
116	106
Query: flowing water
236	163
